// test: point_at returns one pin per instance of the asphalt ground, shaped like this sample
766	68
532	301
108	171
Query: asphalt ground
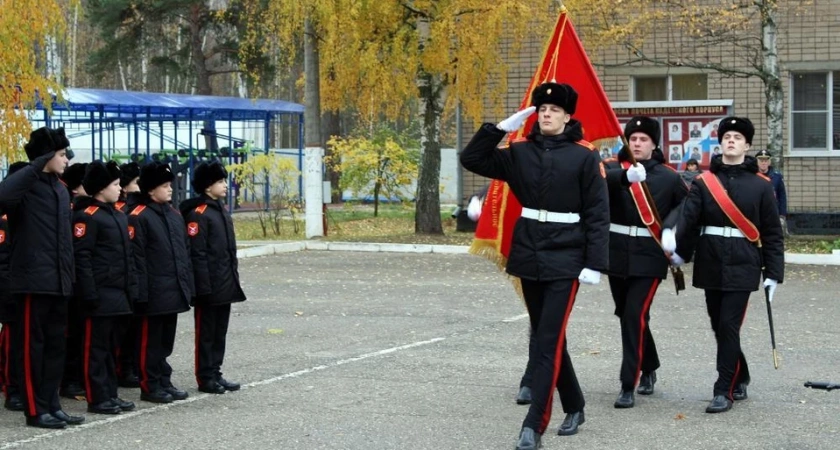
351	350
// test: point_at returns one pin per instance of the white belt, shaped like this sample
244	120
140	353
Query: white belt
722	231
628	230
542	215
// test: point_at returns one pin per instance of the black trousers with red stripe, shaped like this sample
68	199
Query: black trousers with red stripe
549	306
73	355
98	362
528	376
9	355
156	341
126	347
211	326
42	341
633	297
727	310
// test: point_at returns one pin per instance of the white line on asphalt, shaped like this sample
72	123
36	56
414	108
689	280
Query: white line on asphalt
125	416
515	318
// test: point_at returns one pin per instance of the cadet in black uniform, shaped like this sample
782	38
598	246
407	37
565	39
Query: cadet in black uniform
728	265
8	316
637	261
560	241
165	280
105	283
127	347
216	269
38	208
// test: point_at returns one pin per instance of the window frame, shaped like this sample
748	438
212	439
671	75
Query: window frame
669	87
829	150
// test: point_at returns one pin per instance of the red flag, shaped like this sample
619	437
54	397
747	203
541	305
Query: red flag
563	61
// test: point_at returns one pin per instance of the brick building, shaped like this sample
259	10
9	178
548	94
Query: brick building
809	55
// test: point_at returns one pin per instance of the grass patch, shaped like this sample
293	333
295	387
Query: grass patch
812	244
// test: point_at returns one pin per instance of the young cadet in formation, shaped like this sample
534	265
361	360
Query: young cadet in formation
730	224
9	355
125	353
216	269
638	264
561	240
41	273
164	280
105	283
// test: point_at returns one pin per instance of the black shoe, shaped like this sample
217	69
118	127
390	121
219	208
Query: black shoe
14	403
625	399
123	404
70	420
740	392
528	440
156	397
228	385
646	383
212	388
129	381
524	396
108	407
72	390
45	421
177	394
571	423
719	404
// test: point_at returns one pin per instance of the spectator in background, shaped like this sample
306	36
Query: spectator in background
692	170
765	168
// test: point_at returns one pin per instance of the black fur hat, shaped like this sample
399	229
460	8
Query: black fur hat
643	124
73	175
45	140
739	124
14	167
561	95
153	175
129	171
207	173
99	175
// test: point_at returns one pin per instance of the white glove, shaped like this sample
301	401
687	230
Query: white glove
515	121
636	173
588	276
676	260
669	240
474	209
770	284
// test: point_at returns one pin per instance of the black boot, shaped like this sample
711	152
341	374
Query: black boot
72	390
528	440
524	396
228	385
70	420
160	396
14	403
740	392
571	423
211	388
646	383
123	404
108	407
719	404
130	380
45	421
625	399
177	394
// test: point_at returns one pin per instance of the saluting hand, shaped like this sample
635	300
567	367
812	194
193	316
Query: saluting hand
515	121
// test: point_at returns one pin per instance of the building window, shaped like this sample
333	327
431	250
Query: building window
815	115
670	87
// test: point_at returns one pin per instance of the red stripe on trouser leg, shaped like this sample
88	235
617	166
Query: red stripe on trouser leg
643	326
738	364
4	371
27	357
144	348
558	356
86	362
197	343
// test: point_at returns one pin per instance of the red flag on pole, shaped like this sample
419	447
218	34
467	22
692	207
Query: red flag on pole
564	61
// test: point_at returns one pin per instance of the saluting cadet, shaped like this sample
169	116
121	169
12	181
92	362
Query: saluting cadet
730	223
637	261
105	283
216	269
165	280
41	275
560	241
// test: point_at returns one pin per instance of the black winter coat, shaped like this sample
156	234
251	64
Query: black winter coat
132	199
38	208
558	174
162	259
7	304
641	256
106	283
732	264
213	251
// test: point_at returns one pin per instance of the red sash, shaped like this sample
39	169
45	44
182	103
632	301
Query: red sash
644	208
732	212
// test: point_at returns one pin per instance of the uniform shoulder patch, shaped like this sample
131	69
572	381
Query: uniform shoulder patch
603	170
91	210
201	208
766	178
2	236
119	206
519	139
668	166
130	232
79	229
586	144
192	228
138	210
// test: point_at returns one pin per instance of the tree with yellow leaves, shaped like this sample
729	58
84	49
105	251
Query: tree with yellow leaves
269	179
26	28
